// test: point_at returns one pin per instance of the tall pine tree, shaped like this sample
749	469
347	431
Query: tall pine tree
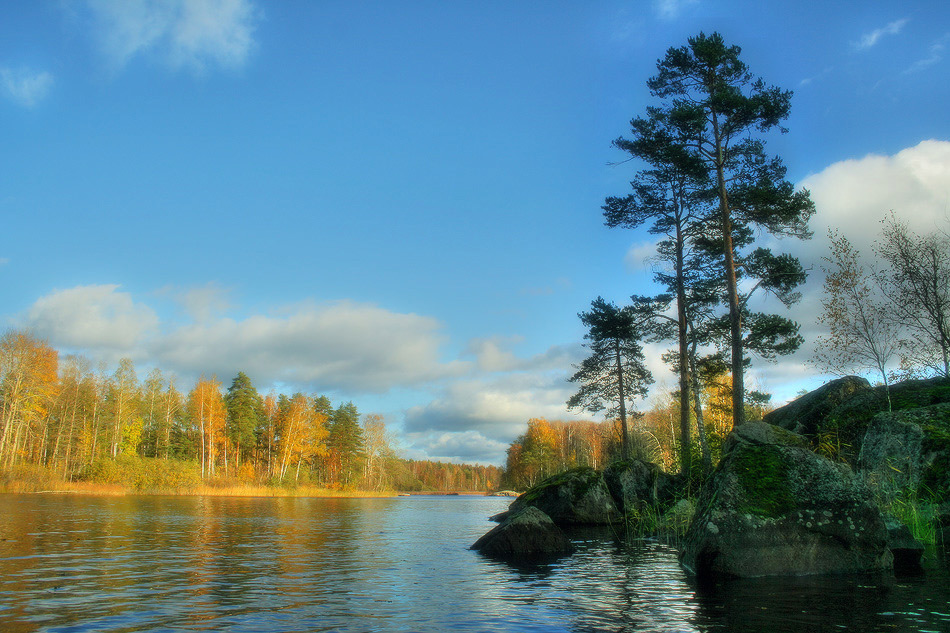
718	107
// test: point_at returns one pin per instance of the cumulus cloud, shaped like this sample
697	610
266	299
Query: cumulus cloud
25	87
344	345
854	197
200	303
98	317
493	354
468	447
193	34
868	40
497	406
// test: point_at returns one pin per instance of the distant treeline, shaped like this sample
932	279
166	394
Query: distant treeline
77	423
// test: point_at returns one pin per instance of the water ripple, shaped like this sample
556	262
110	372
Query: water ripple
196	564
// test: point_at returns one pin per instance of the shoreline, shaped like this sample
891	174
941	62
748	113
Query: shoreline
118	490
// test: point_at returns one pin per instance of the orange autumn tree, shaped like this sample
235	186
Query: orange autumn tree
28	387
208	413
302	433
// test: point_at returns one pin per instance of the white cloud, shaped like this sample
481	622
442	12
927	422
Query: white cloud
935	55
346	346
25	87
200	303
854	197
462	447
639	256
497	406
671	9
191	34
99	317
492	354
870	39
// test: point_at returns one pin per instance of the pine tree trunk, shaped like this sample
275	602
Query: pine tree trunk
625	446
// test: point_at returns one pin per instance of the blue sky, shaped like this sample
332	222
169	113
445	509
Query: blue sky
398	203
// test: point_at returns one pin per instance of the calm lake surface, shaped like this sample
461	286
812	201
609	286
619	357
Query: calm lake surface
84	563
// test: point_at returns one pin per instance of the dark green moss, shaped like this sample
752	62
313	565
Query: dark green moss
848	423
763	474
580	479
790	439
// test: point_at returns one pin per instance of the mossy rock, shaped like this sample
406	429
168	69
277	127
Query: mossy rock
763	474
634	484
839	430
575	497
806	414
780	509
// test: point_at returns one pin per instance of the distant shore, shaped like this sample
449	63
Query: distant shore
117	490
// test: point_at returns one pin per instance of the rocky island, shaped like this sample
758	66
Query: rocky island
813	488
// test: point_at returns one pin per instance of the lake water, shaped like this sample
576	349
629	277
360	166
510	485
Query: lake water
83	563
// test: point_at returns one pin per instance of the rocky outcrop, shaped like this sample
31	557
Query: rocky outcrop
528	533
576	497
634	483
773	507
836	416
909	452
805	415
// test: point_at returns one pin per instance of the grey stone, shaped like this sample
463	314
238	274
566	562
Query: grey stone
903	450
635	483
576	497
907	550
774	508
527	533
805	414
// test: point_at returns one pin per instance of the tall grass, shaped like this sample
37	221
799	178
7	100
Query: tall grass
919	515
670	526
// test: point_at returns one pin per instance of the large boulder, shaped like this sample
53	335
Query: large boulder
528	533
805	414
635	483
849	422
575	497
773	507
909	452
836	416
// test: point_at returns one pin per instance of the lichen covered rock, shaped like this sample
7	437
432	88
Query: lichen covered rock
773	507
575	497
528	533
909	451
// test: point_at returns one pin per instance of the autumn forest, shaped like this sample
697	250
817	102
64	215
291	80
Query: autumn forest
62	421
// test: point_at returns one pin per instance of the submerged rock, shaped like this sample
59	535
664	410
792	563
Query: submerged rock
773	507
527	533
575	497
